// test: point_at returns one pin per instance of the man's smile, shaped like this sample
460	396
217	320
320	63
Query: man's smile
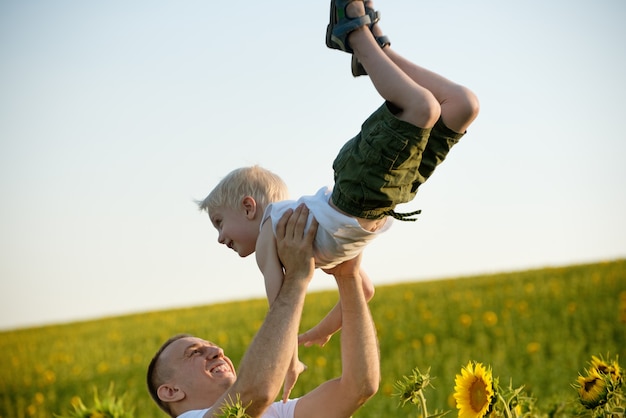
220	368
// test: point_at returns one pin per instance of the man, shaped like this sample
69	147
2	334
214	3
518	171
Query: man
192	378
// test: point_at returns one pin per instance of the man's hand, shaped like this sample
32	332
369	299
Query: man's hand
295	246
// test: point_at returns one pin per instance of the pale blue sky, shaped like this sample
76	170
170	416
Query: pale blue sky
115	116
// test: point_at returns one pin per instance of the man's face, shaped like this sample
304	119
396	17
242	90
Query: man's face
200	368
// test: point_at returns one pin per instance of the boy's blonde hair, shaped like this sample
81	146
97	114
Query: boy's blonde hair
262	185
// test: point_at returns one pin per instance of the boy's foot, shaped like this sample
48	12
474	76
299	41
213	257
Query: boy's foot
356	66
341	24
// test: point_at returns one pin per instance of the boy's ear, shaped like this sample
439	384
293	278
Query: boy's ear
249	205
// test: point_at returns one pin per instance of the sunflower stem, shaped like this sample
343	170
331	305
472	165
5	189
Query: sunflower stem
505	406
422	400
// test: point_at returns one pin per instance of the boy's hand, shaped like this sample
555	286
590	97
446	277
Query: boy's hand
292	377
314	336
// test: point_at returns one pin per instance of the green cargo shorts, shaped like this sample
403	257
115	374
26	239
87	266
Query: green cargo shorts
384	165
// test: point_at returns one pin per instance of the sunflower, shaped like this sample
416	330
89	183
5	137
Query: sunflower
607	368
592	390
473	391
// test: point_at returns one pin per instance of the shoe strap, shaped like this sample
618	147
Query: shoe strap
383	41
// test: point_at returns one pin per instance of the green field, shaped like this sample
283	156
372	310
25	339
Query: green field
538	328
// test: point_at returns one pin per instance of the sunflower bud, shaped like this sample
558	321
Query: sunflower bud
593	389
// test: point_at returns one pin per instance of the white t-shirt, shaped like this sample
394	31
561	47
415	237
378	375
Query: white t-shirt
276	410
339	237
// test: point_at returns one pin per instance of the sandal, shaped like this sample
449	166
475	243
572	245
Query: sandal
341	25
383	41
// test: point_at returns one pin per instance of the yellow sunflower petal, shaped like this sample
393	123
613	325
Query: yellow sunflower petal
473	391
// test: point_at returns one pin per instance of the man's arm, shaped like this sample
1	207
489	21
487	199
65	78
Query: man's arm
270	265
341	397
320	334
263	367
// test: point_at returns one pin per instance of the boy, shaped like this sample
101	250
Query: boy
397	150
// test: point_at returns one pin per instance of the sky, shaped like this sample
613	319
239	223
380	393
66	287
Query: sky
116	116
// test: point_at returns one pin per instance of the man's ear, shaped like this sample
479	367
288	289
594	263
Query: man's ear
249	205
170	393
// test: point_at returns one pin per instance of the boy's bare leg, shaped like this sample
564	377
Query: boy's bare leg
417	105
459	106
421	94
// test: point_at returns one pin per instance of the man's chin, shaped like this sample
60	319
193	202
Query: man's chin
227	381
228	376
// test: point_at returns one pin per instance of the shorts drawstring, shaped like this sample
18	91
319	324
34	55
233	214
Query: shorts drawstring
403	216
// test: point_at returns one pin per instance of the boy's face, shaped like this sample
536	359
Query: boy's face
238	229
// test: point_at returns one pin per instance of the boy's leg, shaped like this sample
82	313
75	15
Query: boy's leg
377	169
459	106
413	149
415	103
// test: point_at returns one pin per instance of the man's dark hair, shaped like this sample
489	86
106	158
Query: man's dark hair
154	378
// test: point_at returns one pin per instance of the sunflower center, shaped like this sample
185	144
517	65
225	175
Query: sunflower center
478	395
590	385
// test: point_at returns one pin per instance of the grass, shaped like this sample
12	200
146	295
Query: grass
538	328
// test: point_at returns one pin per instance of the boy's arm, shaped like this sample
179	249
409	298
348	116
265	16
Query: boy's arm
268	261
